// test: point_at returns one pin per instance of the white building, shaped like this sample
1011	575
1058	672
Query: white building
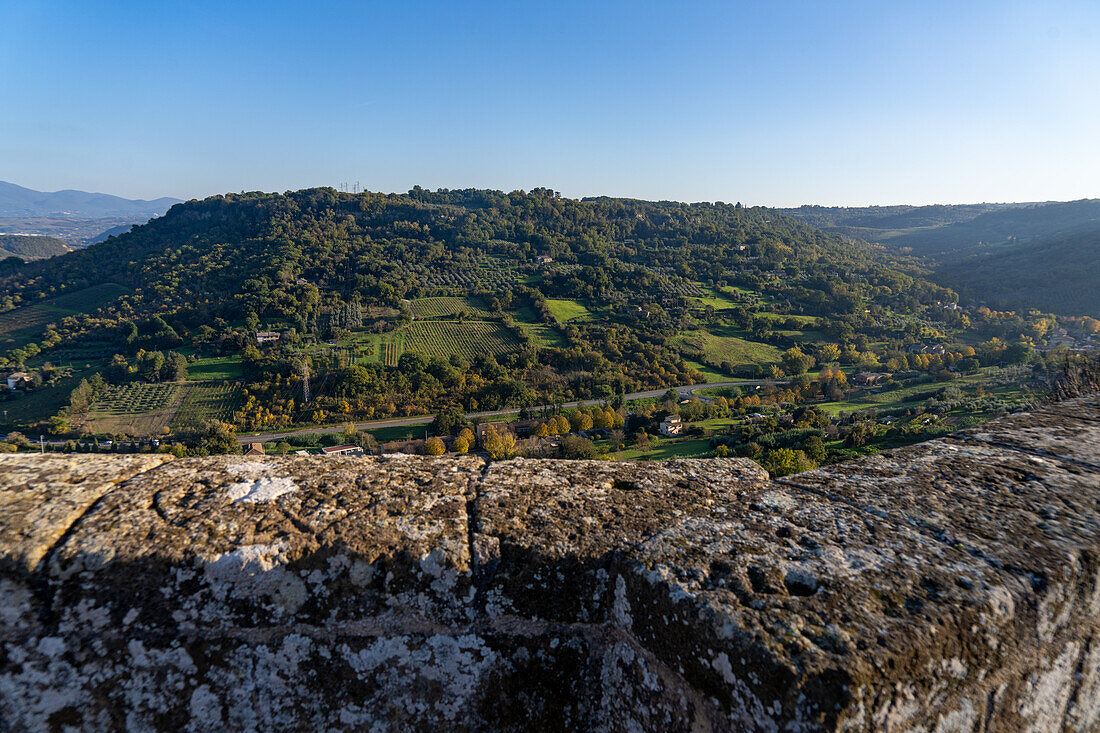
672	425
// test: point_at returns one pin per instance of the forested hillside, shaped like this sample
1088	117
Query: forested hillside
237	255
1007	227
31	247
272	310
885	218
1056	273
1002	255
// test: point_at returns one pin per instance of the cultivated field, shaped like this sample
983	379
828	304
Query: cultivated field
443	338
207	401
135	409
446	306
26	324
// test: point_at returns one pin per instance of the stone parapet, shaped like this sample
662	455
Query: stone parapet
951	585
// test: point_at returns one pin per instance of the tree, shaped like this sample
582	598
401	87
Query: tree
795	361
461	445
434	446
449	421
574	446
355	381
149	365
118	371
1019	352
498	444
784	462
580	420
859	436
175	367
828	353
217	438
603	419
814	448
969	365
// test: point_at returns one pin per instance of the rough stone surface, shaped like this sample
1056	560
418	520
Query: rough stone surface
949	586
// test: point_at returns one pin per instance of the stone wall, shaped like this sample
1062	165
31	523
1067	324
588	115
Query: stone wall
952	585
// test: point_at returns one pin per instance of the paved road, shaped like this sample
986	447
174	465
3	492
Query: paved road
425	419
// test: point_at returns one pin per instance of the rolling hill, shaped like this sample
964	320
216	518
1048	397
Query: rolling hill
31	247
1056	273
1016	256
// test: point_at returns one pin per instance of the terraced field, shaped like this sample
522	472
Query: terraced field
443	338
207	401
446	306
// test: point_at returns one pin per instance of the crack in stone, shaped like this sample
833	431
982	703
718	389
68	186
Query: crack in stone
56	546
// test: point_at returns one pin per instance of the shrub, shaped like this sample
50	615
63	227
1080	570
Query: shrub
574	446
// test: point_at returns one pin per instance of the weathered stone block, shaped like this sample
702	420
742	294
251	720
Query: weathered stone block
227	541
562	525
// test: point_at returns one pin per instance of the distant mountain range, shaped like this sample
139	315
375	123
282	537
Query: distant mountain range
17	201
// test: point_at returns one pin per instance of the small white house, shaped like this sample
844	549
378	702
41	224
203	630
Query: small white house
18	379
672	425
266	337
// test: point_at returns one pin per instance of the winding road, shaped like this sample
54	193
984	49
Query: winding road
684	392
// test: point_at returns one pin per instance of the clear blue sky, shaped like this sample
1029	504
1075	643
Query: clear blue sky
776	103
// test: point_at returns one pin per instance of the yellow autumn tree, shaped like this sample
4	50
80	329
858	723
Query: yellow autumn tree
499	444
434	447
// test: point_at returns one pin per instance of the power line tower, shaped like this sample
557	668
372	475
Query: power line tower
305	382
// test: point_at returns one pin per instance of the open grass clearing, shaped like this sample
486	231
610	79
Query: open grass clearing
568	310
716	300
665	449
217	367
715	346
540	333
709	375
